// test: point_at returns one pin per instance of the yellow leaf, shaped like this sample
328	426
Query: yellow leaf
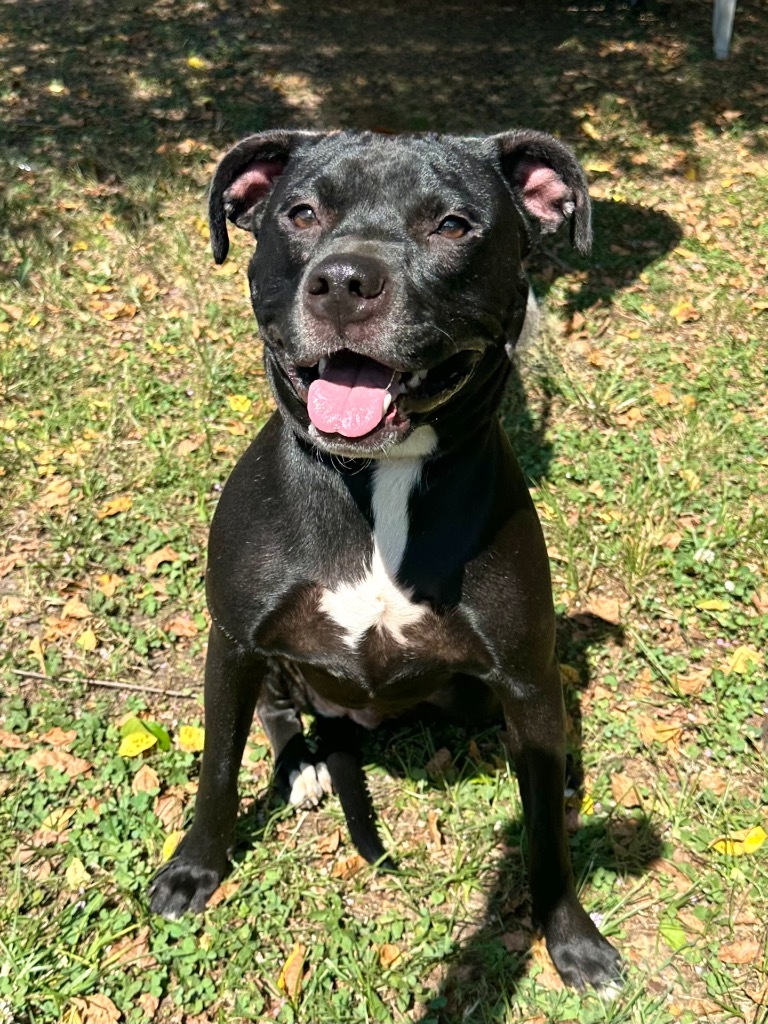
589	129
111	508
136	743
686	254
108	583
599	166
239	403
388	954
36	650
87	641
743	841
191	738
742	659
691	174
76	875
587	804
197	63
715	605
34	320
692	479
75	608
292	973
663	395
683	312
172	840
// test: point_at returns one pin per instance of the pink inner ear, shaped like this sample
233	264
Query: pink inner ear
543	191
255	180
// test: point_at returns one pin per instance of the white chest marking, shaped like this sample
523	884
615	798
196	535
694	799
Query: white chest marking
374	600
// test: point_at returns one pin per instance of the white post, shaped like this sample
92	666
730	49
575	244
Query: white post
722	26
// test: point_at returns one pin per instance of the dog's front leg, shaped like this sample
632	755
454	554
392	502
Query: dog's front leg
536	725
232	685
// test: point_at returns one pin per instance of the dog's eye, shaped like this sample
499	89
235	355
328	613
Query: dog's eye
303	216
453	227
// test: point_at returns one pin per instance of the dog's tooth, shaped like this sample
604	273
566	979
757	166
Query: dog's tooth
387	402
322	365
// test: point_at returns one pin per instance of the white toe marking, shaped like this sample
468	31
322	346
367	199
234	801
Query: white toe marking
374	599
309	786
609	992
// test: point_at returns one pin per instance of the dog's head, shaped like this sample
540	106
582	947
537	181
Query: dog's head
387	280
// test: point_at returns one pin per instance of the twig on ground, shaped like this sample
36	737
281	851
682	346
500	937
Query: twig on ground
110	684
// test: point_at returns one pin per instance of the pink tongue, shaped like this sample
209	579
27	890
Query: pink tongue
349	399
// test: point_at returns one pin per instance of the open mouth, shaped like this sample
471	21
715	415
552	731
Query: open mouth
355	397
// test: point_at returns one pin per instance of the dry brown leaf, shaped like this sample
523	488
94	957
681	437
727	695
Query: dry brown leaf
329	844
224	891
108	583
624	791
115	506
292	972
188	445
548	976
6	564
388	954
133	950
694	682
155	560
434	829
98	1009
148	1004
439	764
694	1004
631	418
348	866
760	600
170	810
711	780
12	605
606	608
60	761
651	731
75	608
10	741
662	395
182	625
744	951
58	737
56	493
145	780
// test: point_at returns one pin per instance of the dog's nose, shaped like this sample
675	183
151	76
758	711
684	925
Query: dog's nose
346	288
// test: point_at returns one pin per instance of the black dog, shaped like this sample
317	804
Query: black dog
378	536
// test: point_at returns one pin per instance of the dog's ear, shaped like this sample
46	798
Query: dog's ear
547	181
244	180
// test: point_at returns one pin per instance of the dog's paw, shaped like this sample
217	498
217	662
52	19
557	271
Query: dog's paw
183	884
583	957
309	785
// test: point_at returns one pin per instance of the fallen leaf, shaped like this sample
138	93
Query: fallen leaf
292	972
145	780
136	743
439	764
624	792
169	808
58	819
108	583
60	761
348	866
657	732
36	650
329	844
56	493
155	560
224	891
692	479
57	737
10	741
97	1009
239	403
663	395
742	952
743	841
88	641
170	843
75	608
388	954
133	951
187	446
693	683
148	1004
6	565
683	312
191	738
434	830
713	781
742	660
181	625
115	506
714	605
76	874
606	608
760	600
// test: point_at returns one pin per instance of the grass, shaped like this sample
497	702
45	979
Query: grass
131	381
